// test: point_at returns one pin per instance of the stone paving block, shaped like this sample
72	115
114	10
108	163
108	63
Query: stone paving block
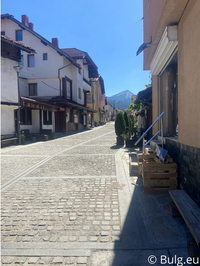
33	260
82	260
7	260
20	260
70	260
58	260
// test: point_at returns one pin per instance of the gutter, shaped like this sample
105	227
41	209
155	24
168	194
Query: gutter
60	77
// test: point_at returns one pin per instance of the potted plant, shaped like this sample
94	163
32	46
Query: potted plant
129	132
22	138
120	127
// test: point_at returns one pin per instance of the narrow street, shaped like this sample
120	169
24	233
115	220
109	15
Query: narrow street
71	201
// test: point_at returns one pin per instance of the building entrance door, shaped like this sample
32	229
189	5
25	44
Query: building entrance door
60	122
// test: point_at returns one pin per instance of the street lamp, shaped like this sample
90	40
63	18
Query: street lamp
18	69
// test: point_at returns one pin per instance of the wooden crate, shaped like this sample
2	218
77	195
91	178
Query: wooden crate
157	177
140	158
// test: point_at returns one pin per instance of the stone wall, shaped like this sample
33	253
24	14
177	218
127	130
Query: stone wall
188	163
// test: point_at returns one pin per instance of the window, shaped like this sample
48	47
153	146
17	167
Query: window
68	85
32	89
3	33
19	36
67	88
45	57
25	117
79	69
79	93
31	60
22	61
47	117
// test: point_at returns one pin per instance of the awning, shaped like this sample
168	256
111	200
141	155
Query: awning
167	47
145	95
30	103
62	101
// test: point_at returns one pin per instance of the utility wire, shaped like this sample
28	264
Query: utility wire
40	80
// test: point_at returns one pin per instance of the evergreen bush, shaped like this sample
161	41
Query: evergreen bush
120	124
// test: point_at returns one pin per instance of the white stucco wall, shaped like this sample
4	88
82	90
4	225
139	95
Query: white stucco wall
9	89
85	71
47	70
44	70
7	119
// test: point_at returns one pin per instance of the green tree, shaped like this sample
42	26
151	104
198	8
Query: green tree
126	120
120	124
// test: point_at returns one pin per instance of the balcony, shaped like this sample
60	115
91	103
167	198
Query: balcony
86	85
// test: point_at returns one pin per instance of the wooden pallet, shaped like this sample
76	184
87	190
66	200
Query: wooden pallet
148	151
157	177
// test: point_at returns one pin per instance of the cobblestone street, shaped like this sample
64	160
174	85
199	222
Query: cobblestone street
67	202
60	191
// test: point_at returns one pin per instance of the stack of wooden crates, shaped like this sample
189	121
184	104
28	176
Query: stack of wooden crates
157	177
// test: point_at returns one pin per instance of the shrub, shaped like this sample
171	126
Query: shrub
126	120
131	124
120	124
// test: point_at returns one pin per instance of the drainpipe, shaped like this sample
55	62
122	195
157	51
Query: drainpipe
160	102
59	76
167	89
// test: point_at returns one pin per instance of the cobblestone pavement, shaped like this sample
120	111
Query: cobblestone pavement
71	201
60	191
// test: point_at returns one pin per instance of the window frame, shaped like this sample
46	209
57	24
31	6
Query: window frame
28	63
35	87
16	32
22	60
44	56
79	69
79	94
64	85
47	117
26	116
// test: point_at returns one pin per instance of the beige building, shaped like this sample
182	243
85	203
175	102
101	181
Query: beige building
174	61
97	90
171	53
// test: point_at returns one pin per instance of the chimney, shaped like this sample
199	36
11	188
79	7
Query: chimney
25	20
55	42
30	26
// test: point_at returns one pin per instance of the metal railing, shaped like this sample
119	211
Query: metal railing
142	137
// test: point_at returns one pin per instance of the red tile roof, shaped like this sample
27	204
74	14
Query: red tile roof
17	44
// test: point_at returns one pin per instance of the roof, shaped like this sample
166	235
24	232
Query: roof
37	102
20	45
78	54
43	40
145	95
101	82
58	100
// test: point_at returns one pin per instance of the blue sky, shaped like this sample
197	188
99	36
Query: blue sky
108	31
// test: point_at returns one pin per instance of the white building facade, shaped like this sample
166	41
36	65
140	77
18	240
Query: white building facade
50	81
10	56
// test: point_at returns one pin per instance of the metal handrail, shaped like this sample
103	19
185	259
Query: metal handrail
149	128
142	137
152	138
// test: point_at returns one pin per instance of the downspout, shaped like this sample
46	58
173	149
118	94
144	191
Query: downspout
160	102
59	76
167	89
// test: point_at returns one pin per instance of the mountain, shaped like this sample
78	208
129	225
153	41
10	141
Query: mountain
121	100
